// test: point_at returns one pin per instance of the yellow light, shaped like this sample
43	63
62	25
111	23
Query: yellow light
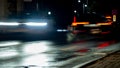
82	23
108	17
114	18
79	23
74	24
108	23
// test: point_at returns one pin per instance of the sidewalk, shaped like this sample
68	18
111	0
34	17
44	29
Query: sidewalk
110	61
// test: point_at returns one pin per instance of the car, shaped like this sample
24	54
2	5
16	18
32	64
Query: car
92	23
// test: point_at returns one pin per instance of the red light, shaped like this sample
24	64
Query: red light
105	32
74	19
105	44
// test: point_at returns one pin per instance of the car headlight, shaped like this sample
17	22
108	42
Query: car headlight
36	24
9	23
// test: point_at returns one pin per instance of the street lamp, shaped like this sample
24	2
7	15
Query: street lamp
75	11
79	1
85	5
49	13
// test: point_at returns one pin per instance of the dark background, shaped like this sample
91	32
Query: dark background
63	10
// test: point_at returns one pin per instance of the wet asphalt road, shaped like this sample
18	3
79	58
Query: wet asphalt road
43	53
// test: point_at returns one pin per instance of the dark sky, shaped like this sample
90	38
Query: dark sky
107	5
58	6
64	8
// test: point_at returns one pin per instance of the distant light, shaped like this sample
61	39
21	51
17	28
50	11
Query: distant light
49	13
95	31
79	23
108	17
114	18
91	25
62	30
85	5
79	1
27	13
59	30
75	11
94	12
106	23
74	24
36	24
9	23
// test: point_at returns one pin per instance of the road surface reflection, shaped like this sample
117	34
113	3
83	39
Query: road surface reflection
43	53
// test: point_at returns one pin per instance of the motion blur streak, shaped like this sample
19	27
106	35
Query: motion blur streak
109	23
36	24
79	23
9	54
9	23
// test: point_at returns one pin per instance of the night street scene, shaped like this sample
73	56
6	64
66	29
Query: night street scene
59	34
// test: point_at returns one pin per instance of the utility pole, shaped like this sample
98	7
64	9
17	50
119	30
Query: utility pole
85	6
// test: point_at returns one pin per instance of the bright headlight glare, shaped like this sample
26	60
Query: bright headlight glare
9	23
36	24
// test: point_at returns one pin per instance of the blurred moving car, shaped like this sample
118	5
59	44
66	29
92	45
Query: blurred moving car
33	26
92	23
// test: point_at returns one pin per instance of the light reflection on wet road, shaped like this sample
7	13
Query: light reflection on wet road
41	54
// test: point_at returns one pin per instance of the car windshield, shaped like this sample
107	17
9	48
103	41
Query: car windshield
59	33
